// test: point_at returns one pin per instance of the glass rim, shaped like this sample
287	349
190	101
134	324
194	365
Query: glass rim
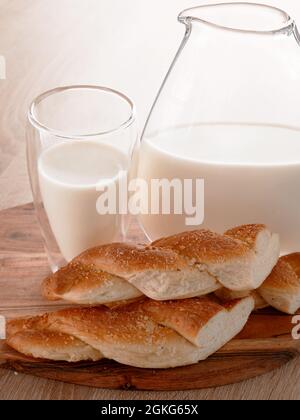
60	134
184	18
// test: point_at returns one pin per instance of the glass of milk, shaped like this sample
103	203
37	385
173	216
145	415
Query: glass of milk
81	143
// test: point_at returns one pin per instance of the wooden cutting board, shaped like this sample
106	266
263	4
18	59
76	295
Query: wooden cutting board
264	345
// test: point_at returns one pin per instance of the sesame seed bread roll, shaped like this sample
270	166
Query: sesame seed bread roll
145	334
182	266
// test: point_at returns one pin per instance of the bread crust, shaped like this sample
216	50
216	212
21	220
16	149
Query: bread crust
186	317
143	334
54	346
85	284
204	246
282	288
182	266
246	233
226	295
123	260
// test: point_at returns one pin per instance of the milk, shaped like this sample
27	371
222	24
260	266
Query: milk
69	174
251	173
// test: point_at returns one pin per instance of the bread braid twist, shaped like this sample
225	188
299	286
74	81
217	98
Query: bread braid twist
183	266
146	334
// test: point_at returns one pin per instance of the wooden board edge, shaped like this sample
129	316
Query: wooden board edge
240	360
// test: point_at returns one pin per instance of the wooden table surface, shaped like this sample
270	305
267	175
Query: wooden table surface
55	42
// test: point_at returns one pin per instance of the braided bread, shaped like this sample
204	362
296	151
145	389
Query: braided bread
226	295
281	290
183	266
144	334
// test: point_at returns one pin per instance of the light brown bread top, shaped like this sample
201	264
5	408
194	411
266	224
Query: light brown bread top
87	285
186	317
226	295
121	259
246	233
53	346
282	288
204	246
285	275
73	277
293	260
142	334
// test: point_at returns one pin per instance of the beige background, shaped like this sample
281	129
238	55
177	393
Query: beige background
125	44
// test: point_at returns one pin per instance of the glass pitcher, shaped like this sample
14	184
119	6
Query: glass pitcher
228	113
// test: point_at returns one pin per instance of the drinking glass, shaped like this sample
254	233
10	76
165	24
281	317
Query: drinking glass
228	113
81	142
